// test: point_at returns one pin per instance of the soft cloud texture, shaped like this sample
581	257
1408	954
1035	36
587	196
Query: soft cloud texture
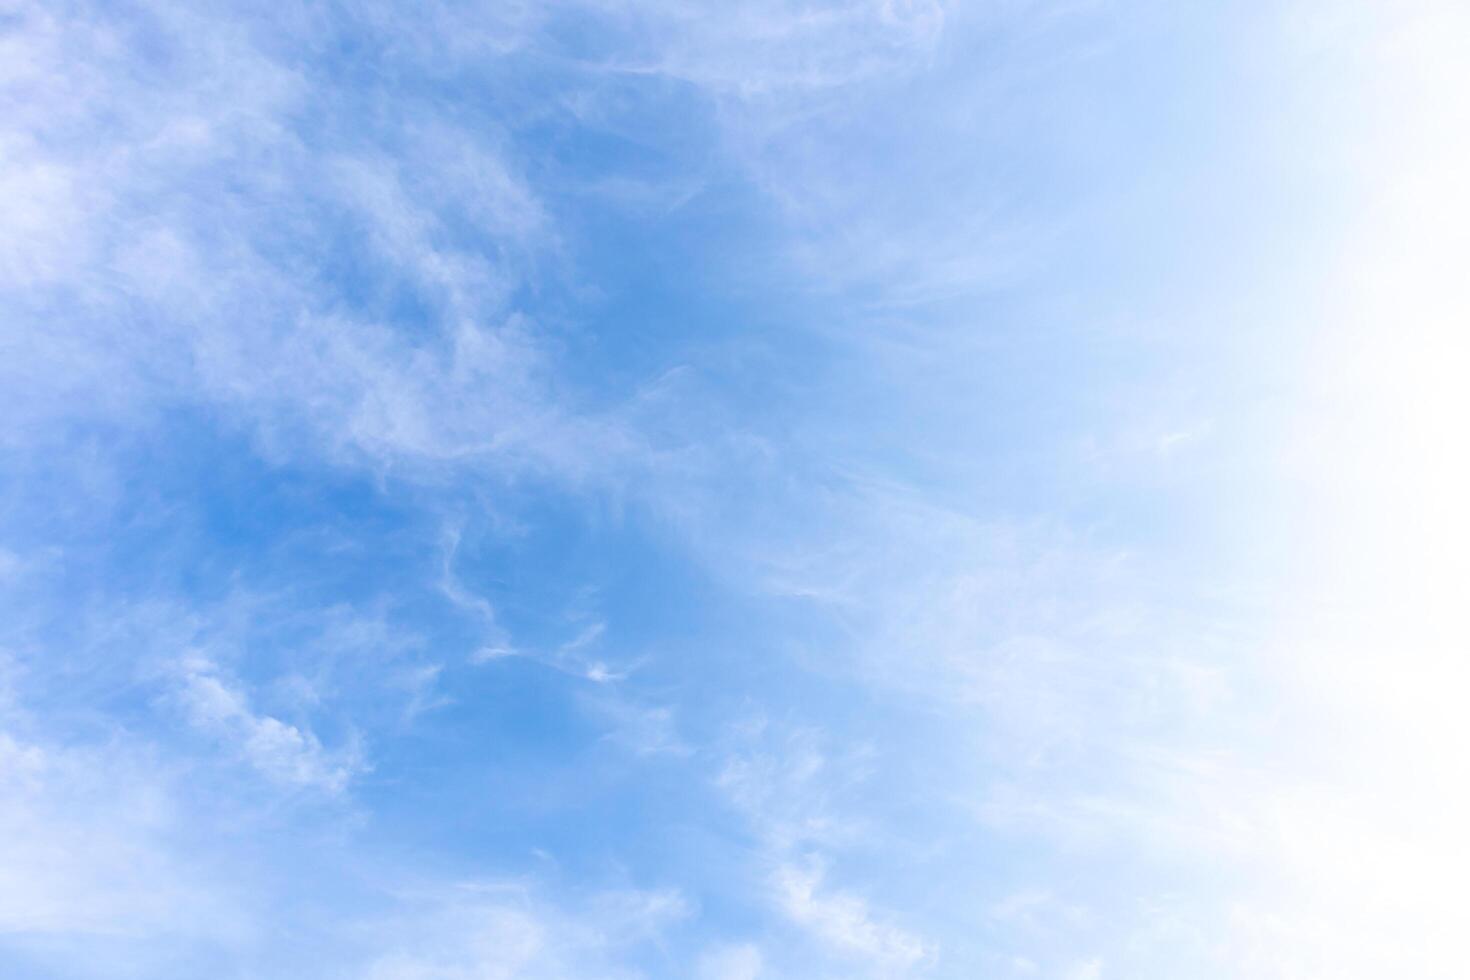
818	490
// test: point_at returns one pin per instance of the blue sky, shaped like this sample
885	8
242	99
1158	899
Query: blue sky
621	489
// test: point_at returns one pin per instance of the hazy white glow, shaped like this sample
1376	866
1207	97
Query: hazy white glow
1371	831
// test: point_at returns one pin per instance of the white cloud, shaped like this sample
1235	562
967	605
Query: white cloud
844	922
282	687
788	785
193	193
795	796
285	753
742	962
643	729
92	844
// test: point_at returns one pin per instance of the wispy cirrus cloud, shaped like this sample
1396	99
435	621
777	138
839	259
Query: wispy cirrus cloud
798	797
904	376
844	922
201	187
278	750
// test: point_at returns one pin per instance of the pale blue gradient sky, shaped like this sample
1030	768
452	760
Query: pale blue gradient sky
801	490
